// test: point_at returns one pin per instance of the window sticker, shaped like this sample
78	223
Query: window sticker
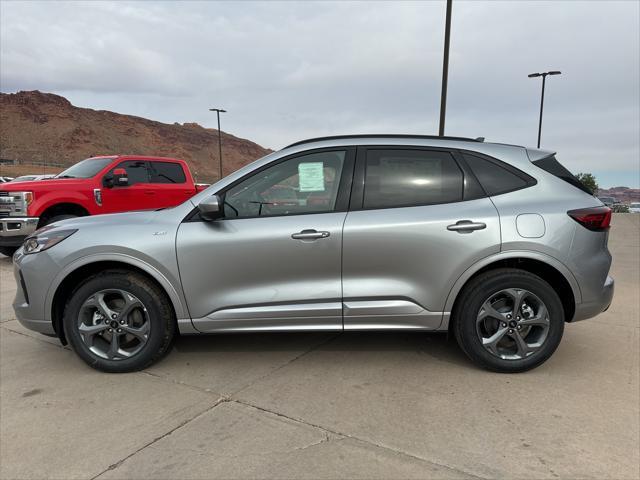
311	175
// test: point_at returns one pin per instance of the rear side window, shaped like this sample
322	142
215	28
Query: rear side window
554	167
495	178
167	172
397	178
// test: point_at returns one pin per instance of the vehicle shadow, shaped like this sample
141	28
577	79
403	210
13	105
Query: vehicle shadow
437	345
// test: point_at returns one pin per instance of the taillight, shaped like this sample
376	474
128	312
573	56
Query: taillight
595	218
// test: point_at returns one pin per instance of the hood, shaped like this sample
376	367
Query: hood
117	219
41	185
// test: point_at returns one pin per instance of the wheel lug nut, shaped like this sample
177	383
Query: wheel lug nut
510	330
119	330
519	327
517	318
114	316
121	322
509	317
111	329
504	324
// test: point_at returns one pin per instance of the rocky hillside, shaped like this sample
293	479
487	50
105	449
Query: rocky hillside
43	127
621	194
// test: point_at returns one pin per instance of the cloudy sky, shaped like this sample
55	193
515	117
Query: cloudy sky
288	71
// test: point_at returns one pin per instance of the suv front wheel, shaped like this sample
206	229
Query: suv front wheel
119	321
508	320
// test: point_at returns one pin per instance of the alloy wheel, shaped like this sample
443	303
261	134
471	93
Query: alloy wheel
114	324
513	324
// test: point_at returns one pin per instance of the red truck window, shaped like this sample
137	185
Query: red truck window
167	172
136	171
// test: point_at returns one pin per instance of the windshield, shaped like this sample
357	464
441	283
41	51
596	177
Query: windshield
86	168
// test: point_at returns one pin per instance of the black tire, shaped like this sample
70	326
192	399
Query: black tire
481	288
8	251
162	324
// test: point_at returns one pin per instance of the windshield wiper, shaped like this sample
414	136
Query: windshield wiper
65	176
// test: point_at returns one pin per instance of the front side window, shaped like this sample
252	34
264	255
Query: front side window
136	171
305	184
167	172
399	178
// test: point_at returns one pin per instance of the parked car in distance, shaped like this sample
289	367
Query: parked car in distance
97	185
608	201
499	245
634	207
31	178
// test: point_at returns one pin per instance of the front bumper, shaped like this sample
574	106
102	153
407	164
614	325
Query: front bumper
598	305
13	230
33	275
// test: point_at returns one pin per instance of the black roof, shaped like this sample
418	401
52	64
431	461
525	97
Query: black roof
390	135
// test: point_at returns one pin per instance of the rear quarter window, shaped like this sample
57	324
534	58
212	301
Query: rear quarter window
497	177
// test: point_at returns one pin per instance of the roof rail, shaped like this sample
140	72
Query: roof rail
380	135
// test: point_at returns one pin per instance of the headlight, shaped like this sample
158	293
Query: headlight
28	198
44	239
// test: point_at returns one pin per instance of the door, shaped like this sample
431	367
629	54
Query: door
169	183
273	261
419	220
138	194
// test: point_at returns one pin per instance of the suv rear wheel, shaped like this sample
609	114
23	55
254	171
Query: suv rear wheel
508	320
119	321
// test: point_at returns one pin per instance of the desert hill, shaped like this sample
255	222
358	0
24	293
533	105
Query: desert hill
38	127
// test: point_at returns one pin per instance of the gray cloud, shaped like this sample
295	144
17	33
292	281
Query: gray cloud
287	70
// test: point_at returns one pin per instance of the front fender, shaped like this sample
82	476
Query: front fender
175	297
50	199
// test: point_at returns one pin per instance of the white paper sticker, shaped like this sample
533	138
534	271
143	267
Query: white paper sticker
311	176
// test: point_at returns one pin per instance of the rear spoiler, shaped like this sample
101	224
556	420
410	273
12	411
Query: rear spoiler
537	154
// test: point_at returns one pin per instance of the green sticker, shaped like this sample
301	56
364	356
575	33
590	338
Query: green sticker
311	176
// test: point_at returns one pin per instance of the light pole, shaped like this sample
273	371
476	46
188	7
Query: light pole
544	78
445	68
218	112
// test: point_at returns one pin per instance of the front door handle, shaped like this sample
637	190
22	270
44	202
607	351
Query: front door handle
309	235
466	226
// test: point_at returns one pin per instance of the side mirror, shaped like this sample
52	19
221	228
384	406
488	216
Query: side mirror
107	181
210	208
120	178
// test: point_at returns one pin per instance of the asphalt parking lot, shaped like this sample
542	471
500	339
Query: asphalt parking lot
358	405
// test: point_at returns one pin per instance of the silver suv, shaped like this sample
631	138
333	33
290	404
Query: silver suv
498	244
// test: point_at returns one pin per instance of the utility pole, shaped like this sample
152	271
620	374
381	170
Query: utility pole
218	112
445	68
544	79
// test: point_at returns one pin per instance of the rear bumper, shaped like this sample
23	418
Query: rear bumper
13	230
597	305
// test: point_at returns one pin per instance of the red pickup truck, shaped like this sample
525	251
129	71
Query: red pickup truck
108	184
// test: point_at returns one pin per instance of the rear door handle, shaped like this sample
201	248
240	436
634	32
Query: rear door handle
309	235
149	192
466	226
